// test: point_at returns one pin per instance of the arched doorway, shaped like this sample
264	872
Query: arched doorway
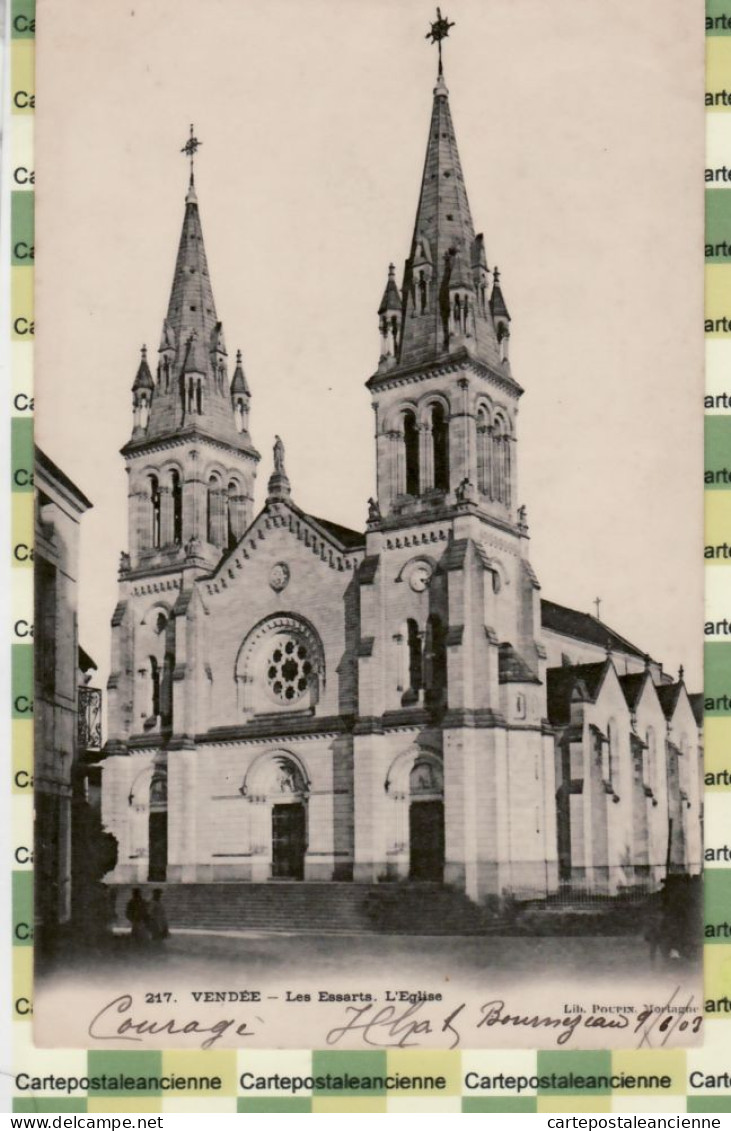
157	857
426	821
278	789
415	816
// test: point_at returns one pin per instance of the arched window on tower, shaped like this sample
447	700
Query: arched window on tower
501	462
177	493
231	538
411	445
154	687
483	452
198	397
440	441
435	661
166	690
423	292
213	511
415	674
507	471
155	506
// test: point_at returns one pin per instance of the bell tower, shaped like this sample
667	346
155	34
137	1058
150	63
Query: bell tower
444	394
451	672
191	467
190	458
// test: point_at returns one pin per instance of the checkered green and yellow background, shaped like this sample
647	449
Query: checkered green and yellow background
693	1074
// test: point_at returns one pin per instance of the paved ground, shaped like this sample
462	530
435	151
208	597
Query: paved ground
274	955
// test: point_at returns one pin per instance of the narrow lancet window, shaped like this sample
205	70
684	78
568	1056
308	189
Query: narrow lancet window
440	441
411	444
177	492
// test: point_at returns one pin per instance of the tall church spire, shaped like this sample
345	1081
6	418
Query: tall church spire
444	394
191	308
446	292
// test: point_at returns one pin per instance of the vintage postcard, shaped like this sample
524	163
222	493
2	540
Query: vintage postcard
368	594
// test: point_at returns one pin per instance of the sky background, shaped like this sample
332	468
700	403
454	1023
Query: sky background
580	130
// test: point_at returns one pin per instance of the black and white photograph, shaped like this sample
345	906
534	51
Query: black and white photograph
368	363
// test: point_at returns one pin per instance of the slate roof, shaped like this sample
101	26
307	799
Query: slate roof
351	539
86	664
696	702
52	471
561	683
632	687
391	298
583	626
512	668
443	226
497	302
668	694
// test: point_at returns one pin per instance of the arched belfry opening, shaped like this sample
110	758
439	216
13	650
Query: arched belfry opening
177	494
440	447
155	512
411	451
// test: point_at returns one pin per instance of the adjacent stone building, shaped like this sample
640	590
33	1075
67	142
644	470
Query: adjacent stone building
60	667
292	699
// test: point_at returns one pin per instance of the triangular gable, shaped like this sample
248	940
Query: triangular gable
281	514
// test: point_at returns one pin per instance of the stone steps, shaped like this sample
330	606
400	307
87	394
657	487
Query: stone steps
403	908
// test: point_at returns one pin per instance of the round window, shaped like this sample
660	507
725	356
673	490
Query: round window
289	668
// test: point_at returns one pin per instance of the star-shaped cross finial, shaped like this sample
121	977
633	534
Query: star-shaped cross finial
438	31
190	148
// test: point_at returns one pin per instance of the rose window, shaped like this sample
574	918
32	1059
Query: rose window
289	668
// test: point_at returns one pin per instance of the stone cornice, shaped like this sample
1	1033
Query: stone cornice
285	727
393	378
185	436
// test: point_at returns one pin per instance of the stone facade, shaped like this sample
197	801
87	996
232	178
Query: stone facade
293	699
61	667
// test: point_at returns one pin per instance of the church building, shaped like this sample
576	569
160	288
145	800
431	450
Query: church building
291	699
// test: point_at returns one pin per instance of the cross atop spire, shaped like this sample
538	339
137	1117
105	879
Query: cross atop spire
190	148
438	31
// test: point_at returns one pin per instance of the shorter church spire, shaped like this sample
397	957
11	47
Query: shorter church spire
192	387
